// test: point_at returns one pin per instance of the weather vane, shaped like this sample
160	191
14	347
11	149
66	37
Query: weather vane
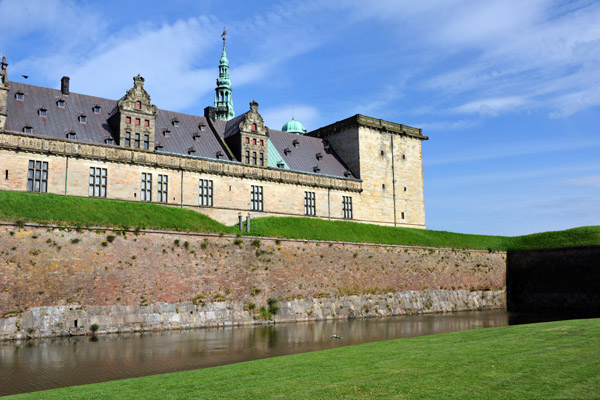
223	34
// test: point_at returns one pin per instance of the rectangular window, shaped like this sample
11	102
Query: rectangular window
347	207
37	176
262	159
205	192
146	192
254	157
310	207
256	198
247	157
146	122
97	182
128	139
137	141
146	142
137	121
127	120
163	188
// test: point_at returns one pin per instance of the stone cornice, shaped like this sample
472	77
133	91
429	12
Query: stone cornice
60	147
362	120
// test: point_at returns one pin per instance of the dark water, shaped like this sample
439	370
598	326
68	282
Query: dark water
28	366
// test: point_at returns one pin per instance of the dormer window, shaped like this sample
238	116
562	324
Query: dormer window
347	173
316	169
296	142
280	164
138	105
191	151
60	103
71	135
27	129
196	137
202	127
96	109
219	154
167	133
319	156
326	146
175	123
158	147
82	118
20	96
109	141
286	151
42	112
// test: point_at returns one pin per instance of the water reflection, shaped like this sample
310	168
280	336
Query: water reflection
57	362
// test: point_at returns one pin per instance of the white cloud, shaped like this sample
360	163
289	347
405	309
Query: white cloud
491	106
591	181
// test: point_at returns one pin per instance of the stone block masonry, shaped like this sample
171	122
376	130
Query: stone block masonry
61	281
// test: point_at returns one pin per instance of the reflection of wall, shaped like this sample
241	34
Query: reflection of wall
566	278
42	267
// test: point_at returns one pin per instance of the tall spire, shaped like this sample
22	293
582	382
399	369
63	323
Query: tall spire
223	99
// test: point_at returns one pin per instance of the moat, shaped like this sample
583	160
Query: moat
27	366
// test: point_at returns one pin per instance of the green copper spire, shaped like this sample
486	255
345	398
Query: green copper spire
223	99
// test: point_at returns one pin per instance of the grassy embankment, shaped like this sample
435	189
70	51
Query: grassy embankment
548	360
48	208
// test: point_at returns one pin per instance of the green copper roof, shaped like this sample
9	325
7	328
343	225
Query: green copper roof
224	60
274	158
293	126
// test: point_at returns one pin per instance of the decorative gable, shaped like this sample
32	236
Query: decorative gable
135	117
254	138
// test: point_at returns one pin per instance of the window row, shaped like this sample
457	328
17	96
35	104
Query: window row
254	141
255	161
136	141
138	121
37	181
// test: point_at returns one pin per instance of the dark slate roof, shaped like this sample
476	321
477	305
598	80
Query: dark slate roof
233	125
303	156
181	138
60	121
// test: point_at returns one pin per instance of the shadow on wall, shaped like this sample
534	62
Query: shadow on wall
554	279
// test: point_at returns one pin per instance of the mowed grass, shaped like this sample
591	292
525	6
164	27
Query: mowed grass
556	360
81	211
49	208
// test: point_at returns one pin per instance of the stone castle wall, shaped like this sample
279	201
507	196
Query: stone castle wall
55	280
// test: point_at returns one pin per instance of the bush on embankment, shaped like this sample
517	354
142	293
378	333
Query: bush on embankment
78	211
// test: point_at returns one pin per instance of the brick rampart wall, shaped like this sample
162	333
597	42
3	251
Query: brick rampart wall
47	267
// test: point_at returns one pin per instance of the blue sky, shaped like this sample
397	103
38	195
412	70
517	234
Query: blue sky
507	91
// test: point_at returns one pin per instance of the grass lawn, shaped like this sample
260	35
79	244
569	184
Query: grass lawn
48	208
546	360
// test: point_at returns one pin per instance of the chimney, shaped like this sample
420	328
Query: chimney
64	85
209	112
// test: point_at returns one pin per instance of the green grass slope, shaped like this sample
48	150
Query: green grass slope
557	360
48	208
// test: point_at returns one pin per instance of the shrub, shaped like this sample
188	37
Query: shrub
94	328
256	243
186	244
199	300
75	240
238	242
176	241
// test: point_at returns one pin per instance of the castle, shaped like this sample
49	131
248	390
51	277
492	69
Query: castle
55	141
